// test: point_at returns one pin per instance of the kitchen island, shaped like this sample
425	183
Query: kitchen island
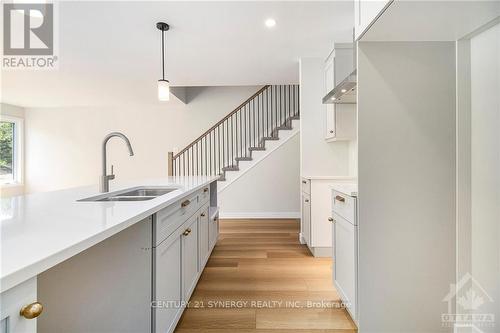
49	238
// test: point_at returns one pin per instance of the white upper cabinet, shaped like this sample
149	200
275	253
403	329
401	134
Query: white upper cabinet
366	12
340	119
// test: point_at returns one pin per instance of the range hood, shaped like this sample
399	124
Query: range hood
344	92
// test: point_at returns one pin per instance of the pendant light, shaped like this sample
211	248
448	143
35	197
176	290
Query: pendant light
163	85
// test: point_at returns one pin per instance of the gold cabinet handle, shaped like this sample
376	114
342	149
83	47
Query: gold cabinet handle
205	189
339	198
187	232
32	310
304	182
202	214
185	203
330	219
307	200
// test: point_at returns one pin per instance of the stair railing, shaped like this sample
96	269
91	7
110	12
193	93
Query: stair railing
234	137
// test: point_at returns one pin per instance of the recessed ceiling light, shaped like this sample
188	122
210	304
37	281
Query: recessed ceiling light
270	22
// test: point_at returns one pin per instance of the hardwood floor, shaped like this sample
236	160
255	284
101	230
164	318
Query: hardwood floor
260	279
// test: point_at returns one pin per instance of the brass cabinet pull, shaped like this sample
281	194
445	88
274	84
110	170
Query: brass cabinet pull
307	200
202	214
205	189
339	198
304	182
32	310
330	219
215	219
187	232
185	203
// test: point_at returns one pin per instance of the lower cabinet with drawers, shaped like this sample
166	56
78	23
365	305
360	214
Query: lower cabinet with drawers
180	257
138	280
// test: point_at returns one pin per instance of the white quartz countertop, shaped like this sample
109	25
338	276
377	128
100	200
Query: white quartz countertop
350	189
40	230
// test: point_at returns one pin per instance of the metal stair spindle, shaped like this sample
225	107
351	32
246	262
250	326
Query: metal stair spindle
235	137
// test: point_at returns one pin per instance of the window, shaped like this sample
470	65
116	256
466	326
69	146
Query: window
10	150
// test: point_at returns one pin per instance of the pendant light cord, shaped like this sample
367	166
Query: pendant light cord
163	54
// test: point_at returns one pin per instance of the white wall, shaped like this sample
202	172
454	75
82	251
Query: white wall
318	158
485	167
406	142
63	145
270	189
14	189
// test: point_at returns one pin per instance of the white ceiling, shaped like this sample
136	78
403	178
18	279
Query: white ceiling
109	52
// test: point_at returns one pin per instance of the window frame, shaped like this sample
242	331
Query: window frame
18	151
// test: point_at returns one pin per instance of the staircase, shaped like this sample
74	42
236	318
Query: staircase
240	135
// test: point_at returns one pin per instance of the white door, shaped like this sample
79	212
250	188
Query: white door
306	218
190	256
345	261
168	283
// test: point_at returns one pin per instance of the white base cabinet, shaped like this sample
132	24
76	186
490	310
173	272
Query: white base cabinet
316	230
345	250
180	260
345	238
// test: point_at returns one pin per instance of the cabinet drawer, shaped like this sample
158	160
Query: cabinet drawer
204	194
344	206
306	185
173	216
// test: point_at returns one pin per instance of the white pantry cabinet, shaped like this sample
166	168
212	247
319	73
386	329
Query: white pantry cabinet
11	303
366	13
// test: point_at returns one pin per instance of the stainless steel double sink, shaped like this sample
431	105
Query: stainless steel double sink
141	193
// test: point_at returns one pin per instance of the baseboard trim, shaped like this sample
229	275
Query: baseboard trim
321	252
259	215
302	240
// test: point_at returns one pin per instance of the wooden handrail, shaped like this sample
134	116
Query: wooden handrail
220	121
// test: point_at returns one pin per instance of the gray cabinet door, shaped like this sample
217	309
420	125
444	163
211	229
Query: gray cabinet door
203	237
106	288
190	256
168	288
